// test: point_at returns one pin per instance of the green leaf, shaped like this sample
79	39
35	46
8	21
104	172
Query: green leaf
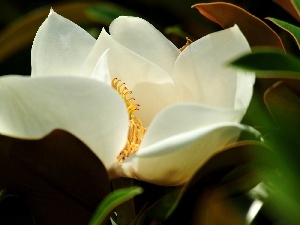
164	207
111	201
269	63
176	30
296	3
293	30
105	13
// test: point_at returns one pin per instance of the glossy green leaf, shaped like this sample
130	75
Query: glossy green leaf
297	5
293	30
283	102
111	201
257	32
165	206
269	63
105	13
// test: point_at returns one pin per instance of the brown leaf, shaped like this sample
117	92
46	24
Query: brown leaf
59	177
257	32
283	102
233	156
214	209
290	7
235	170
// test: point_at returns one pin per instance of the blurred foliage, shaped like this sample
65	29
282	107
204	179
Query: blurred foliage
220	192
270	63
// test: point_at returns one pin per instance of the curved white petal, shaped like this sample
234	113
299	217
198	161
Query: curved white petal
202	74
143	38
152	87
91	110
60	47
101	71
183	154
181	118
244	89
102	44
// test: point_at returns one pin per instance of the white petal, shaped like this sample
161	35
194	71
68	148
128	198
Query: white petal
91	110
183	155
152	87
181	118
141	37
60	47
179	140
98	49
101	71
244	89
201	69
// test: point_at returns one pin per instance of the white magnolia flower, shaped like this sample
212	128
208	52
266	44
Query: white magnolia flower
190	101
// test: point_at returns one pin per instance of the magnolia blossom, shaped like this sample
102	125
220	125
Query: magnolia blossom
190	102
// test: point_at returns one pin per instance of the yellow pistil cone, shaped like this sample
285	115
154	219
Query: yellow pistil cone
136	130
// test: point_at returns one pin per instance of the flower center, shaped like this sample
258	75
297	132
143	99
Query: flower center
136	130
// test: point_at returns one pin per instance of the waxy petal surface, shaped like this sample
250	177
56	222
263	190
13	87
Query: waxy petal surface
244	89
151	86
182	118
91	110
101	72
143	38
191	101
183	155
60	47
179	140
201	71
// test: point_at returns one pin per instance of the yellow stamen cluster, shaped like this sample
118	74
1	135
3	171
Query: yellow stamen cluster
188	42
136	130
